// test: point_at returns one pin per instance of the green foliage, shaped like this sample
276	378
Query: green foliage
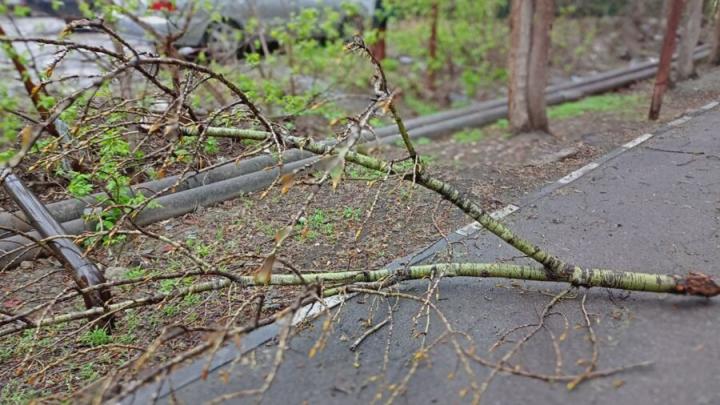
469	37
80	184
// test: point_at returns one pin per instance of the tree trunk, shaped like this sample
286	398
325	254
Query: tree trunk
715	53
520	37
539	61
432	46
530	22
691	34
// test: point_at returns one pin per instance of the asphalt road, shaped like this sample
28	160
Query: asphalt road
654	208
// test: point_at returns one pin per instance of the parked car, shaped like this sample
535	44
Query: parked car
205	31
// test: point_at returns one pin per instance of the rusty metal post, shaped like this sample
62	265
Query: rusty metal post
82	270
380	22
666	53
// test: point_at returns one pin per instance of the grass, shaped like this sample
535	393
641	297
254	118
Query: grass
469	136
612	102
601	103
95	337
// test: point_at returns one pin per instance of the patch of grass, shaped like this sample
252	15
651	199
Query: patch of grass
167	285
95	337
423	141
135	273
601	103
469	135
171	310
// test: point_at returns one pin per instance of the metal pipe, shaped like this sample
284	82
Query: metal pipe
82	270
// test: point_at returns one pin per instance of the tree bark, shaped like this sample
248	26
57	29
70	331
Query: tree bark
530	22
691	34
520	32
715	53
539	62
432	46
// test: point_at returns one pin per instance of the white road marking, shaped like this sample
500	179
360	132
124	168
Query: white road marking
679	121
578	173
637	141
311	311
709	106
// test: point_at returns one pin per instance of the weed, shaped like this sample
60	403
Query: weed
166	286
95	337
171	310
135	273
87	372
191	300
352	213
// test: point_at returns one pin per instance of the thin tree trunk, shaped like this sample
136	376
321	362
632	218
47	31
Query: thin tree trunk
521	16
432	46
539	61
668	46
715	53
691	34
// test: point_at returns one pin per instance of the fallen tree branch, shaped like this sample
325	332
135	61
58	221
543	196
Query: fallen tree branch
691	284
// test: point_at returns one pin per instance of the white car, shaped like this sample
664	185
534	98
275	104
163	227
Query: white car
212	22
